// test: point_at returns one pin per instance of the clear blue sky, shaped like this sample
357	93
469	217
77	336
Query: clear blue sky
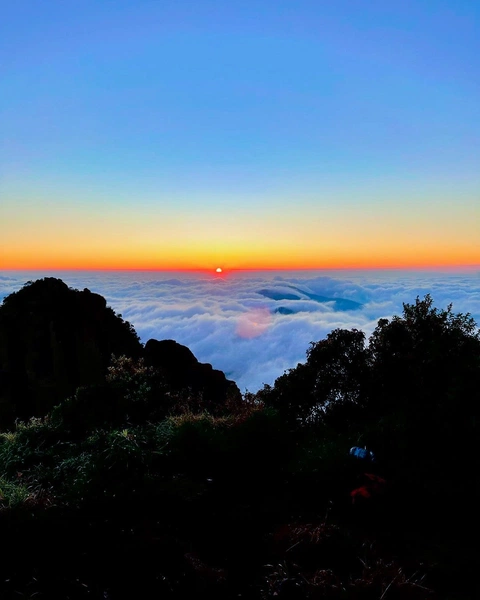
187	130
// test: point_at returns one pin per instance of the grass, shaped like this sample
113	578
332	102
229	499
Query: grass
228	504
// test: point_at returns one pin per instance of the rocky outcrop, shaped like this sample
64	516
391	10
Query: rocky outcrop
182	370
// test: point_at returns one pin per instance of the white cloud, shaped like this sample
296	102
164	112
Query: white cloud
226	322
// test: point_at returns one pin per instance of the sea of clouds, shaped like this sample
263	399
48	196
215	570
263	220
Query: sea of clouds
226	320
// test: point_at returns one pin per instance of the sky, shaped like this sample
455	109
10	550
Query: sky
244	134
232	320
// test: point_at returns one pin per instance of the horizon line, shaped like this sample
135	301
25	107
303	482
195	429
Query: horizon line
243	269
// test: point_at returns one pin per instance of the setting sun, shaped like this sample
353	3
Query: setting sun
218	270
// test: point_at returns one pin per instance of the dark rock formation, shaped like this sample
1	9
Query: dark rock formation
52	340
182	370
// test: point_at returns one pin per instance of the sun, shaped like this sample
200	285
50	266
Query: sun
218	270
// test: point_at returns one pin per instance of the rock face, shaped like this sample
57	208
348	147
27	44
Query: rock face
182	370
52	340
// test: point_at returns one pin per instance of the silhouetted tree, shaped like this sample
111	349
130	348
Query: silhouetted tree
328	385
425	362
340	364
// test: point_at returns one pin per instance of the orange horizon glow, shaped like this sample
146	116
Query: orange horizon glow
390	233
318	266
194	253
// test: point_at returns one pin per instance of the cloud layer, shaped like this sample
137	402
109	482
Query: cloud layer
227	321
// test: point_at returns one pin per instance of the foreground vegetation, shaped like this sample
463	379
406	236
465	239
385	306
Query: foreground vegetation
130	488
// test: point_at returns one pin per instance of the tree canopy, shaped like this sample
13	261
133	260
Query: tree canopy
418	363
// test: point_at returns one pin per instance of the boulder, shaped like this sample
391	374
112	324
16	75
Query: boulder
183	371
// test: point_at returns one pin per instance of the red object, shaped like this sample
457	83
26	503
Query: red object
374	486
361	492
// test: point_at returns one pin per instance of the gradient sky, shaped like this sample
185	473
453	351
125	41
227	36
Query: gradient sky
164	134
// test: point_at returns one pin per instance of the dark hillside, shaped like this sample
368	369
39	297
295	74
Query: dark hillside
52	340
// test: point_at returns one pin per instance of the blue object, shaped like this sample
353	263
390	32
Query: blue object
362	453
